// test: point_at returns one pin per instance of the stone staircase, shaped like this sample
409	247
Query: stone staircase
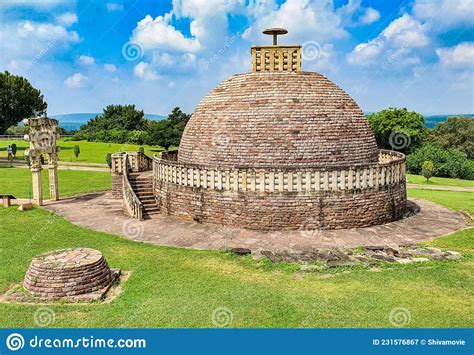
142	185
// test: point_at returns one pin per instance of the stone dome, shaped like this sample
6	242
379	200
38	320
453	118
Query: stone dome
277	119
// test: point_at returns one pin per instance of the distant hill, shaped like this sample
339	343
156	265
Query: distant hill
431	121
73	121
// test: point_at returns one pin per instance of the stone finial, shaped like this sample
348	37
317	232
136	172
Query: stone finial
275	57
275	32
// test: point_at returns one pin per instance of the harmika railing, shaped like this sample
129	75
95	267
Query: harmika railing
389	170
131	202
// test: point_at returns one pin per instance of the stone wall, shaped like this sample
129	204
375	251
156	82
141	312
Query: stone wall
286	210
117	185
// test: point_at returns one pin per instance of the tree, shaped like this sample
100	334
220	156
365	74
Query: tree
108	160
456	132
427	169
18	100
398	129
14	150
167	133
164	134
117	117
77	151
447	162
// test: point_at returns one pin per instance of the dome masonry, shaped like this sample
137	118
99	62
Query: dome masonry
277	115
279	149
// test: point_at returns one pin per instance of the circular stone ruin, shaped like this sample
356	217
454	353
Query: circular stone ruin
79	272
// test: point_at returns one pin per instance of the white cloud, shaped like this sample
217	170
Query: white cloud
86	60
370	16
442	14
111	68
112	6
461	55
304	19
145	72
399	37
160	34
365	53
67	19
76	80
407	32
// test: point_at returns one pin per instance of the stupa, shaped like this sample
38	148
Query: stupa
279	149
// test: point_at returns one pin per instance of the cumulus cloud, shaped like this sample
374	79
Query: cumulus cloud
67	19
400	36
370	16
159	34
110	68
76	80
461	55
144	71
443	14
86	60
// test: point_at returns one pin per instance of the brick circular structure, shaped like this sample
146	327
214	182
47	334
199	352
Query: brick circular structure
277	118
68	272
280	149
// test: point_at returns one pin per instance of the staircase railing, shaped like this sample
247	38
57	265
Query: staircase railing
131	202
137	162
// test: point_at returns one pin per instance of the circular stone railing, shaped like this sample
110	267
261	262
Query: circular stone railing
390	169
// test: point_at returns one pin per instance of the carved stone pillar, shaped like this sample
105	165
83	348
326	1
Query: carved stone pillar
53	177
36	180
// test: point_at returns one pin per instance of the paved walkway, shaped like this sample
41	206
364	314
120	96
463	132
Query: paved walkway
100	212
440	187
4	164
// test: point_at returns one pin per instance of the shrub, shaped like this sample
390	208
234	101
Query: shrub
447	162
77	151
108	160
14	150
427	169
141	150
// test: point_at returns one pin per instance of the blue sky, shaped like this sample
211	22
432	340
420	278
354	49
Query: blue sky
84	54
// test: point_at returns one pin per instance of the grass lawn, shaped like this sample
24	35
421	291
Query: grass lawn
438	181
456	200
91	152
172	287
17	181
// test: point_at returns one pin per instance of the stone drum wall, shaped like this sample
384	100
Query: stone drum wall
281	199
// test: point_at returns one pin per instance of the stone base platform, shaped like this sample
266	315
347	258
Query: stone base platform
101	212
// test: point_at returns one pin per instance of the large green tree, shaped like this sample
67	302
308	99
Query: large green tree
398	129
456	132
117	117
167	133
18	100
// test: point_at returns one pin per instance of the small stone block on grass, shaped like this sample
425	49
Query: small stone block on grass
25	206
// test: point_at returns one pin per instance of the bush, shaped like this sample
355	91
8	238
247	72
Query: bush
108	160
427	169
456	132
136	137
141	150
77	151
14	150
449	163
398	129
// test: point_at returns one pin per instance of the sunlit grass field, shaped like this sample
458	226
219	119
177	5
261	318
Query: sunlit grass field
91	152
17	181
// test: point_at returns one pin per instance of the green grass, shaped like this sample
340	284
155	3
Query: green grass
438	181
456	200
172	287
91	152
17	181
